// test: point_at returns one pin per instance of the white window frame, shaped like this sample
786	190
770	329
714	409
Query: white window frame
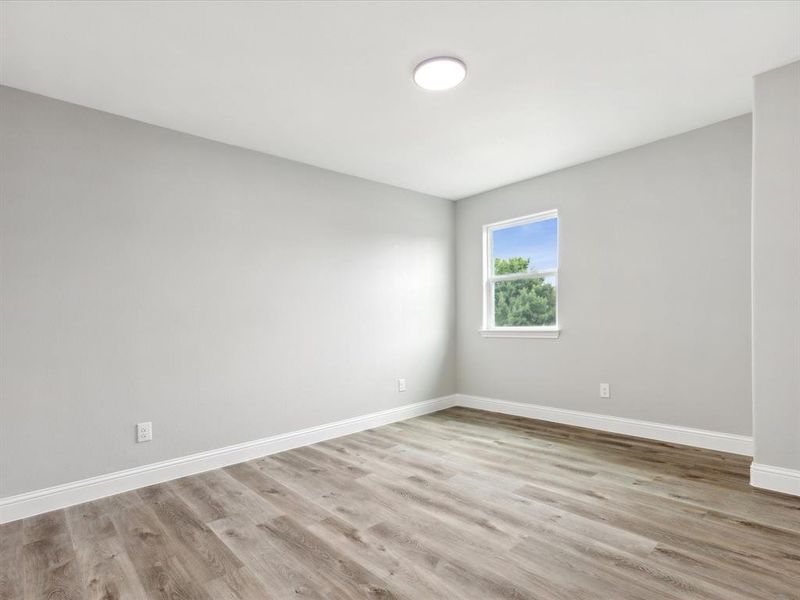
489	279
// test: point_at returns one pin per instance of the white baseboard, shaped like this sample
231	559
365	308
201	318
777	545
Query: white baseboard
86	490
77	492
777	479
701	438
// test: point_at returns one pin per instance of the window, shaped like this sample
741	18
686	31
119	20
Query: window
520	277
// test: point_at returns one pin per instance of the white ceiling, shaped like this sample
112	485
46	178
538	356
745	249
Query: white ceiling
549	84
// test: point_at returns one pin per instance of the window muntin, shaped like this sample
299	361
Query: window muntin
521	274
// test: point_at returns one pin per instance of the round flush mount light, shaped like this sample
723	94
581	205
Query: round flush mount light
440	73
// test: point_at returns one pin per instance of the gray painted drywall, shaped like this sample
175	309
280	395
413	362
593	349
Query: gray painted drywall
654	285
220	293
776	267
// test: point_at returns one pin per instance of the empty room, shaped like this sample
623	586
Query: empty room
405	300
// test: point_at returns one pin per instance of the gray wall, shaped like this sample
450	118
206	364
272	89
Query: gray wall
654	285
776	267
223	294
227	295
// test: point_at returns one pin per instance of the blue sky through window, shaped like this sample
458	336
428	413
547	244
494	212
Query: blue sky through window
537	241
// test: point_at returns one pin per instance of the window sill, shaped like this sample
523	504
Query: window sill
544	332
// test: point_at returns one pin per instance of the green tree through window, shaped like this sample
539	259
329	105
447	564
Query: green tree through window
522	302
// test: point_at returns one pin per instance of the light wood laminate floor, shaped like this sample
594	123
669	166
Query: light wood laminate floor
458	504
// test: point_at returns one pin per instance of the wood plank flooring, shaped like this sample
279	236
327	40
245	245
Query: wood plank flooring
458	504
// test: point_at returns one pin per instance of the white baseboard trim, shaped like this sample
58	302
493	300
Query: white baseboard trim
776	479
701	438
77	492
93	488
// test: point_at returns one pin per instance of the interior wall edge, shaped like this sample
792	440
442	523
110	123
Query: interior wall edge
61	496
639	232
28	504
776	479
219	293
674	434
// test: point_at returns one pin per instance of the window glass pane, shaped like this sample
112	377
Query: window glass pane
525	302
530	247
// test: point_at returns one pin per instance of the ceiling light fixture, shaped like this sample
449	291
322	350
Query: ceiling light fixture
440	73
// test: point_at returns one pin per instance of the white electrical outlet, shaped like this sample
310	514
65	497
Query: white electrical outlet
605	390
401	384
144	432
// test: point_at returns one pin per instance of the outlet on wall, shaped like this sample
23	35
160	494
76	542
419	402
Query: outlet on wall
144	432
401	384
605	390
